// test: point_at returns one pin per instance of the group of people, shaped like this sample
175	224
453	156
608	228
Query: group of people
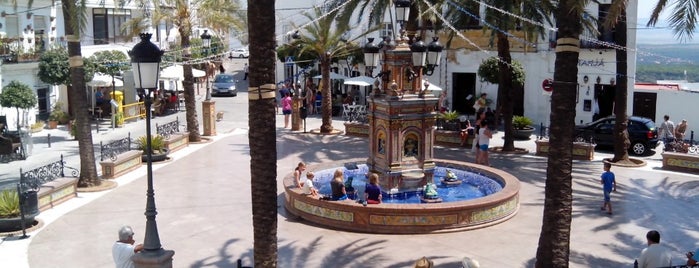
482	132
339	187
668	133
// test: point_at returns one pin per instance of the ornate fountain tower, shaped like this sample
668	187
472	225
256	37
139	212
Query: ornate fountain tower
401	119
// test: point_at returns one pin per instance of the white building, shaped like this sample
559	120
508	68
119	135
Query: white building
458	72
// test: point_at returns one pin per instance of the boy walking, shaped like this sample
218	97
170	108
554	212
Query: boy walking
609	185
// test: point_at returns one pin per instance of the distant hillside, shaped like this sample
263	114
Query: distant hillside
667	62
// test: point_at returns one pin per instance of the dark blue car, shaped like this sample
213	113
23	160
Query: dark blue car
643	134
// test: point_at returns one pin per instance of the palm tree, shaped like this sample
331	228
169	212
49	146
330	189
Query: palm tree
324	39
74	18
554	239
621	134
180	13
683	20
262	136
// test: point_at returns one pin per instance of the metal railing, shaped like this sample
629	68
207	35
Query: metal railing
682	146
168	129
134	110
112	149
33	179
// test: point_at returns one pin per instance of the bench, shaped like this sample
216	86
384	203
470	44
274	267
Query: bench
174	139
9	149
117	158
684	162
53	186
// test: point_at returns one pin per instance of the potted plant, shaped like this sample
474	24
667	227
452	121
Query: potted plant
119	118
158	150
57	115
73	129
522	126
10	217
449	120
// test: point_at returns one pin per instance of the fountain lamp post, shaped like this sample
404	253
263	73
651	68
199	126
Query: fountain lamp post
145	62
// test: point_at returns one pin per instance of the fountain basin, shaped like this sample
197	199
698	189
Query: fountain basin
392	218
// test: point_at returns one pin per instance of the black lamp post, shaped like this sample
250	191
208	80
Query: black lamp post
434	55
371	56
206	41
145	62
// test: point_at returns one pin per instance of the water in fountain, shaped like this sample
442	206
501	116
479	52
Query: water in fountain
474	185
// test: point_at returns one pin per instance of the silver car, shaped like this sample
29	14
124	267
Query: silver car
224	85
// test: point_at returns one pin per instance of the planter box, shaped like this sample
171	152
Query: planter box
681	162
125	162
356	129
581	151
177	141
451	138
57	191
523	134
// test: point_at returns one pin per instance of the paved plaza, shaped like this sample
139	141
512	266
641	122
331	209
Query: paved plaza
204	210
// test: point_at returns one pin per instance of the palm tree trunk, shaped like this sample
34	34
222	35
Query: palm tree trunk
505	89
262	135
621	135
190	103
326	106
554	240
78	97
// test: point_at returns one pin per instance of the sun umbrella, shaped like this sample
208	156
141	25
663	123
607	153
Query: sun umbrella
103	80
176	72
359	81
333	76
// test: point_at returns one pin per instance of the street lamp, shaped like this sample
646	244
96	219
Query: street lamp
145	62
206	41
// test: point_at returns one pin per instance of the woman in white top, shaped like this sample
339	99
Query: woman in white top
484	136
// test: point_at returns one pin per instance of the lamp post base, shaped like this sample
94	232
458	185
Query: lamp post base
158	259
209	117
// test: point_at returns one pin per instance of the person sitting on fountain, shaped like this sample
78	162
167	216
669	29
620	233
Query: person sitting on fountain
308	188
349	188
431	191
337	186
372	192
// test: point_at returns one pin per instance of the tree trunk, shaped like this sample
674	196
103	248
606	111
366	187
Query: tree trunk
621	134
190	103
327	104
262	135
505	90
78	97
554	240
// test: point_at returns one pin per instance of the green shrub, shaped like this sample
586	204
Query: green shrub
157	143
520	122
9	203
449	116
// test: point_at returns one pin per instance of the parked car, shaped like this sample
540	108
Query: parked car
643	134
240	53
224	84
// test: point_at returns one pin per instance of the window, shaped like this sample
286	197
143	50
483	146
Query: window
605	34
107	24
12	26
387	30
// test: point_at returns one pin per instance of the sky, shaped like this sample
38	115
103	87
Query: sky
659	34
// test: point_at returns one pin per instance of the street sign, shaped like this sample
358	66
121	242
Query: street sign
289	60
547	85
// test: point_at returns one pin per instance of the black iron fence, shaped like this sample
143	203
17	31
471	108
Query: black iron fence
112	149
167	129
33	179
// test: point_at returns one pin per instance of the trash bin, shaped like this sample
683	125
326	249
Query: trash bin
303	112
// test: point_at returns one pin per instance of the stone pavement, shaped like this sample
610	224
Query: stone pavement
204	204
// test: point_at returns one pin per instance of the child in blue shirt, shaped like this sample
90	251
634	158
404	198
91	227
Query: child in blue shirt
609	185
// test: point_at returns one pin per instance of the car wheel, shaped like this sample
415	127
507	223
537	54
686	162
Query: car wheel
241	56
638	148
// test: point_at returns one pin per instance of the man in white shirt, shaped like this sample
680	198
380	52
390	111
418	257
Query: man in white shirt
667	130
654	255
123	250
